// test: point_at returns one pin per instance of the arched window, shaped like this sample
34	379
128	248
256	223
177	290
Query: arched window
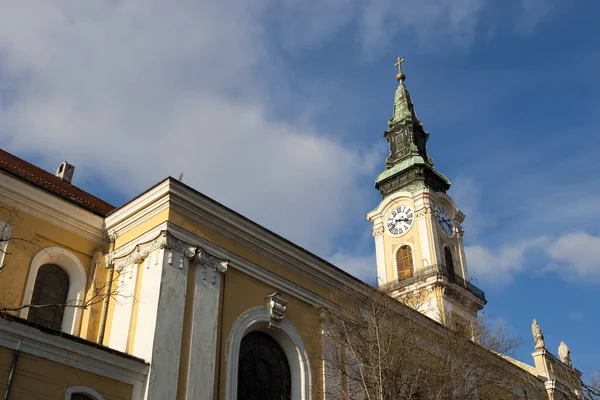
82	393
449	263
263	369
51	288
404	262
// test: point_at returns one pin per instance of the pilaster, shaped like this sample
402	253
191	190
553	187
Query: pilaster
161	307
427	239
205	320
462	258
380	253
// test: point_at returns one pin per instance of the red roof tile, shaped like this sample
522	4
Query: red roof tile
51	183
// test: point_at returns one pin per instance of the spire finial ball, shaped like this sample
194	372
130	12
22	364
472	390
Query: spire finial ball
400	77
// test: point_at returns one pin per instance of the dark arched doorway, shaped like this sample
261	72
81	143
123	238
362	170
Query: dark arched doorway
263	371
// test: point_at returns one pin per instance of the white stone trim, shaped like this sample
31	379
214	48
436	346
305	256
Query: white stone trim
5	230
257	319
389	202
51	208
380	259
123	307
77	355
180	198
82	390
77	284
235	261
254	270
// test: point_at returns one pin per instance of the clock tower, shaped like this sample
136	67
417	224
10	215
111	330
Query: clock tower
417	227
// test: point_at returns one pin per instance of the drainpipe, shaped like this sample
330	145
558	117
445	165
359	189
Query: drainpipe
13	368
102	330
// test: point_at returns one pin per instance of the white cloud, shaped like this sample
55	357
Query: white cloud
577	255
533	12
498	267
362	267
138	90
467	194
574	257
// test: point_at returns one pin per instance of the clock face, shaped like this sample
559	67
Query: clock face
400	220
445	221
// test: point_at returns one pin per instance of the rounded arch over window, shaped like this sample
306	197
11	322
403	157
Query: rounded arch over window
263	371
50	290
404	262
68	262
287	337
449	263
82	393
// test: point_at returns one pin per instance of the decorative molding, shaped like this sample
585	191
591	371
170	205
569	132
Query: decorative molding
191	204
51	208
276	305
119	258
208	261
249	268
378	231
257	319
421	212
77	355
77	284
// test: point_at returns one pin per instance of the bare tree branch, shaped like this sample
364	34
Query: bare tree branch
376	348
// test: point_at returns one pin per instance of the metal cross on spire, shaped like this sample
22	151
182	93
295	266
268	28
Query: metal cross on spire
400	76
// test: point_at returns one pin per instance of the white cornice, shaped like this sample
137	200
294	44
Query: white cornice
50	208
139	209
234	260
178	197
213	215
256	271
72	353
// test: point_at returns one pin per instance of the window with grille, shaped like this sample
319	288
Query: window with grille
263	372
404	262
449	264
49	292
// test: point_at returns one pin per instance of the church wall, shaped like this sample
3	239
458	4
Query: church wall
40	234
245	252
243	292
126	236
38	378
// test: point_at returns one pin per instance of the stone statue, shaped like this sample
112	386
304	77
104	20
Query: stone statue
565	354
538	336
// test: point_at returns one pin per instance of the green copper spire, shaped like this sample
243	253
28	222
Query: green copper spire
408	167
404	109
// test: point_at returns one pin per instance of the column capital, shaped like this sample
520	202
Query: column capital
126	255
208	261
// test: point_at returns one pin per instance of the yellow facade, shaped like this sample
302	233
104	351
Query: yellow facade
43	379
188	278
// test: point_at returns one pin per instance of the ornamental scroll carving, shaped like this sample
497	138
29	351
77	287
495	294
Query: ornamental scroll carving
423	211
378	231
276	305
210	264
140	252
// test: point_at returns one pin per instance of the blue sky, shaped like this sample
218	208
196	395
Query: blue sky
277	109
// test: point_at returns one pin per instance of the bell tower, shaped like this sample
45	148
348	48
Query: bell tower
417	226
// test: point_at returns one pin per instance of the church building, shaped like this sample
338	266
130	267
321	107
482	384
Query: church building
174	296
